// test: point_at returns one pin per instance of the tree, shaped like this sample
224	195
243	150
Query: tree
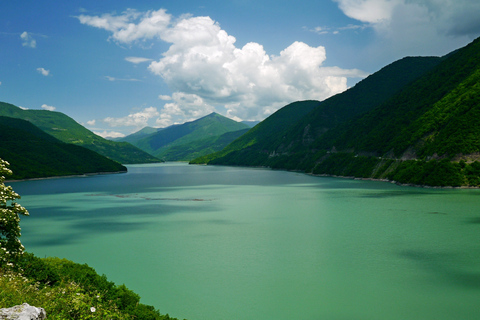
10	211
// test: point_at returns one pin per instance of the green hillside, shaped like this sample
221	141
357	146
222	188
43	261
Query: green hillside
185	141
68	130
424	130
32	153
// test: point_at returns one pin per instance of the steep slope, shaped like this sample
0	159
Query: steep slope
32	153
284	146
167	143
68	130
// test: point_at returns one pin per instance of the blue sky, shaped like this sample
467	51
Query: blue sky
117	66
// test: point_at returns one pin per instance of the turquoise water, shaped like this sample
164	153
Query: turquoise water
202	242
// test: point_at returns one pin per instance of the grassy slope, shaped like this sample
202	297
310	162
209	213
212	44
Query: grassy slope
32	153
68	130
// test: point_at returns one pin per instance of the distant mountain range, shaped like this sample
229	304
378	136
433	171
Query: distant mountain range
68	130
189	140
415	121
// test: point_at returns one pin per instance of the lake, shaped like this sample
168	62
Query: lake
213	242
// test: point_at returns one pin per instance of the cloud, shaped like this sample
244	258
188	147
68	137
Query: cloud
43	71
206	71
27	40
120	79
46	107
161	97
109	134
137	60
372	11
417	27
91	122
139	119
150	24
328	30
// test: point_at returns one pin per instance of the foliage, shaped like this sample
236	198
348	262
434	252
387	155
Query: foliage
10	211
440	173
69	131
67	298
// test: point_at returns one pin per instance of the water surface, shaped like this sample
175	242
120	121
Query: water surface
203	242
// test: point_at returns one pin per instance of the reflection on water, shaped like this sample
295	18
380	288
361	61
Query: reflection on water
202	242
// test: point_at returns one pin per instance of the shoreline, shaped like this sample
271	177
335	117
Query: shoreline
393	182
68	176
346	177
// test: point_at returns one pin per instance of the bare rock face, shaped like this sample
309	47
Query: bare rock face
23	312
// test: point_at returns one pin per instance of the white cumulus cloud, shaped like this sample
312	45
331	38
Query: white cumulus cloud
43	71
47	107
28	40
131	25
205	70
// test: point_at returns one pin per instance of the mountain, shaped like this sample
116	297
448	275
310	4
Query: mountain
419	125
188	140
32	153
68	130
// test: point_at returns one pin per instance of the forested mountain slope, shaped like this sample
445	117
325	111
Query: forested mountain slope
32	153
68	130
426	132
